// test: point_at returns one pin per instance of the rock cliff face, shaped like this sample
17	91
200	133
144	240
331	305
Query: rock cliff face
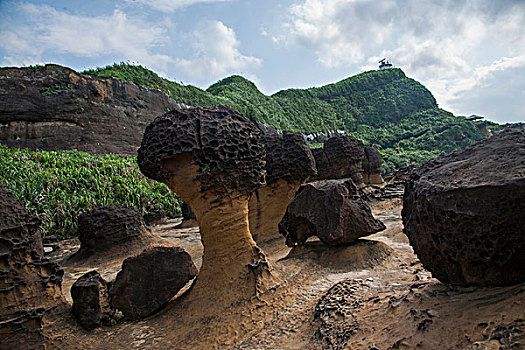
56	108
464	213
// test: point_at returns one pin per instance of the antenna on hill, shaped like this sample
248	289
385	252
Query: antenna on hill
385	64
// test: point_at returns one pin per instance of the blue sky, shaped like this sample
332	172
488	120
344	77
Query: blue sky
469	53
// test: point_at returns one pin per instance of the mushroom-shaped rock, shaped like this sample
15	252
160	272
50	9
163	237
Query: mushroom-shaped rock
149	280
464	213
188	218
30	285
213	159
372	166
340	157
330	210
112	232
91	300
289	163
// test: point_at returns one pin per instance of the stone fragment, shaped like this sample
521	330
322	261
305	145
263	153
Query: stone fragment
91	300
464	213
149	280
330	210
340	157
372	166
289	163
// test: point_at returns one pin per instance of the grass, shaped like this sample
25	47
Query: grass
59	186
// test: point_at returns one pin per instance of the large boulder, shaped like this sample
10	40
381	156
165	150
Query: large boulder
91	300
464	213
30	285
340	157
289	163
149	280
56	108
372	166
330	210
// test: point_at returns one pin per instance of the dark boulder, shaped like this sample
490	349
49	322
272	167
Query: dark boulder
149	280
30	285
464	213
188	217
340	157
91	301
372	166
56	108
330	210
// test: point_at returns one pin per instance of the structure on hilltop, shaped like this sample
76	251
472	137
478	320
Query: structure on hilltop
385	64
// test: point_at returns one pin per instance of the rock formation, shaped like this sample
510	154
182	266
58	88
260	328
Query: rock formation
330	210
188	218
213	159
289	163
149	280
112	231
30	285
464	213
372	166
340	158
56	108
91	301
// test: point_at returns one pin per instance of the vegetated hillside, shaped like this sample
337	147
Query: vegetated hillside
385	108
59	186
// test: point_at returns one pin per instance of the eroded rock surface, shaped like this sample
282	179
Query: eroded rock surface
340	157
331	210
188	218
30	285
56	108
464	213
289	163
149	280
372	166
213	159
91	301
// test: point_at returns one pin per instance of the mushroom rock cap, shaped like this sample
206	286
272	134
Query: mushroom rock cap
372	160
224	144
341	157
288	156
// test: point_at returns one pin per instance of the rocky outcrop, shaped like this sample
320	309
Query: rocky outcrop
149	280
339	158
464	213
289	163
213	159
330	210
188	218
372	166
30	285
112	231
56	108
91	301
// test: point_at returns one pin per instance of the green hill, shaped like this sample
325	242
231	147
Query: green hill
385	108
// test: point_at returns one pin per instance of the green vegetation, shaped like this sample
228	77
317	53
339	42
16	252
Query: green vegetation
384	108
59	186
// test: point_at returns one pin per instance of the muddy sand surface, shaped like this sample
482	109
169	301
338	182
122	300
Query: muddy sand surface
373	294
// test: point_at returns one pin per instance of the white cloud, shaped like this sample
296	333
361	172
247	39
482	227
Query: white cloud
171	5
216	53
452	47
54	32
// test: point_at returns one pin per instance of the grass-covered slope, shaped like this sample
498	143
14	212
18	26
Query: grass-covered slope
59	186
385	108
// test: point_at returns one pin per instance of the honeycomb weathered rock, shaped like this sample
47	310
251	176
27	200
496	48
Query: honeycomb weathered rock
464	213
91	300
341	157
372	166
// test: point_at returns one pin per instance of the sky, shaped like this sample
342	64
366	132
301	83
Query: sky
469	53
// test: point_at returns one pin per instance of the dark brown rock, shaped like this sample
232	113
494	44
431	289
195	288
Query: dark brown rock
464	213
331	210
149	280
227	162
341	157
289	163
91	300
372	166
30	285
104	228
56	108
188	218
